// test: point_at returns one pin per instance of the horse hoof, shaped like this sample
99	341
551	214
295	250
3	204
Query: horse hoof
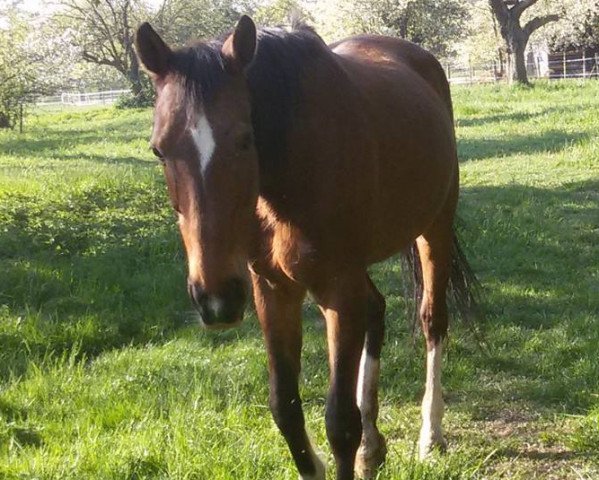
430	443
321	468
370	457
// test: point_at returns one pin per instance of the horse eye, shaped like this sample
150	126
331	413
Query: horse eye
158	153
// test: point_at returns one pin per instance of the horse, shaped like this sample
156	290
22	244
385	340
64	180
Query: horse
292	167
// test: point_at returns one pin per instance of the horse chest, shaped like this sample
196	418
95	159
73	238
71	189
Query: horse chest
285	249
292	253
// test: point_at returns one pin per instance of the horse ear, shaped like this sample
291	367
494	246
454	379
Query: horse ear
153	53
238	50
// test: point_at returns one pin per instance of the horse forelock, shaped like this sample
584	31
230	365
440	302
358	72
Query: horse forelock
200	70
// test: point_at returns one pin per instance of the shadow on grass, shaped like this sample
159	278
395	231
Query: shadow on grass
470	149
77	161
478	121
535	248
511	116
49	143
535	251
93	270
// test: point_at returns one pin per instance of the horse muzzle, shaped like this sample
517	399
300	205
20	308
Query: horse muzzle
223	309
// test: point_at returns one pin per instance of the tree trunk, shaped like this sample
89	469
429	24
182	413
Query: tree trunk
134	77
515	36
516	40
520	73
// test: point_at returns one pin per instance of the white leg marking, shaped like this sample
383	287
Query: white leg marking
320	464
431	433
204	141
366	395
372	451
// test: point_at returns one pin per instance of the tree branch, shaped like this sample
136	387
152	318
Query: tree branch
538	22
90	57
521	6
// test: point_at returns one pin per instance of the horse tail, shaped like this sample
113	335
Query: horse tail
463	289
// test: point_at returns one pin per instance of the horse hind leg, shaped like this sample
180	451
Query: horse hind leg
372	451
434	248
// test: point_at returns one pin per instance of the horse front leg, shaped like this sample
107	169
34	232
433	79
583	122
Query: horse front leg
279	311
373	449
344	304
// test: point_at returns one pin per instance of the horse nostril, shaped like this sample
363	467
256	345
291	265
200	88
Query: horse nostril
202	302
225	306
197	295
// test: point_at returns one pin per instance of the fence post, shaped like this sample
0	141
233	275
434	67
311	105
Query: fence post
21	118
565	66
448	71
470	70
584	64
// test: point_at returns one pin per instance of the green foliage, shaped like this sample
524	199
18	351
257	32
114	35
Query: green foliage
103	33
144	98
21	68
104	373
578	26
279	12
181	21
134	101
436	25
483	43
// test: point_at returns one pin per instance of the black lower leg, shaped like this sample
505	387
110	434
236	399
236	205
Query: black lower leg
375	325
344	430
286	408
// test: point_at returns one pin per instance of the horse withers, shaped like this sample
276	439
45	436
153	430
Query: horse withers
296	166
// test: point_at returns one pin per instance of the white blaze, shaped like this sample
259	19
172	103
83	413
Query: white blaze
432	403
204	141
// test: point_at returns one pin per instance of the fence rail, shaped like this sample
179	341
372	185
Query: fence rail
581	68
80	99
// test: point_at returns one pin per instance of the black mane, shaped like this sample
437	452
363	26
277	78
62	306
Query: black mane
274	80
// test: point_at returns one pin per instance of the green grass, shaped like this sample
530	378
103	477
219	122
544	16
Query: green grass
104	373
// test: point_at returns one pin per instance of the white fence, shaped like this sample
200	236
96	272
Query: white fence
81	99
549	68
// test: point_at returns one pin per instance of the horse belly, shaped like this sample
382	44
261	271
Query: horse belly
409	111
417	166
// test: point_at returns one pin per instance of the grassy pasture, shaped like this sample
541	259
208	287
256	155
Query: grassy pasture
104	373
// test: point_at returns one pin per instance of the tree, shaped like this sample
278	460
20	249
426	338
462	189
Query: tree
483	44
435	24
578	28
103	30
31	63
180	21
279	12
508	14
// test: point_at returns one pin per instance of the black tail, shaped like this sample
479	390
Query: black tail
464	288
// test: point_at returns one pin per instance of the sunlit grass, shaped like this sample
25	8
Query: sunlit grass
105	374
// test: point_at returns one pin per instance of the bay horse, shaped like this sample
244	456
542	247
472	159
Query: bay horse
297	165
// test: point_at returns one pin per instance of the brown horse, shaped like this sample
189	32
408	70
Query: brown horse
303	164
